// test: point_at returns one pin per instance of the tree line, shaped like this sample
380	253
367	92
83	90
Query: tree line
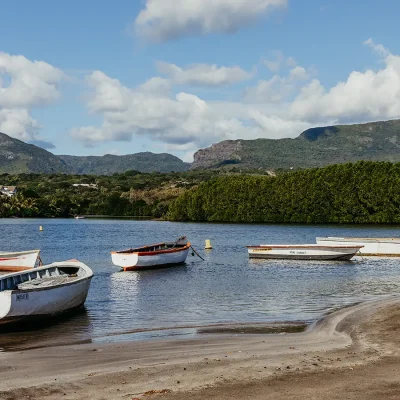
362	192
357	193
128	194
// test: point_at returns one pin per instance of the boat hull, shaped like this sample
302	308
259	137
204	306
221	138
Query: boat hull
150	260
18	261
303	252
388	247
42	302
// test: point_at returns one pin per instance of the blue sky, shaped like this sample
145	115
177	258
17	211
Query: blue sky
90	78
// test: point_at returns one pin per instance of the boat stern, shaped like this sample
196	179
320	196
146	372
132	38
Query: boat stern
5	304
124	260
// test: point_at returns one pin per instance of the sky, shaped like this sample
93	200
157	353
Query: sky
94	78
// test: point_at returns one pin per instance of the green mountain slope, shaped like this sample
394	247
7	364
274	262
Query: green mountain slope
316	147
110	164
18	157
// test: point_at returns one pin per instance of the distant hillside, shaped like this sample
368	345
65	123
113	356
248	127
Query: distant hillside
316	147
110	164
18	157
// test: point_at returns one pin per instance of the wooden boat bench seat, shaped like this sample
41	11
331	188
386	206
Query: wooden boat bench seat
47	282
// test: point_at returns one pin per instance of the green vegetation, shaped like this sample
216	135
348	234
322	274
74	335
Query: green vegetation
364	192
18	157
129	194
111	164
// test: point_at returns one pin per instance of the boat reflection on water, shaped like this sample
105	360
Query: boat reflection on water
68	328
144	300
121	282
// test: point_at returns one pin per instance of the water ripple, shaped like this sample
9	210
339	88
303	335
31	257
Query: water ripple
225	288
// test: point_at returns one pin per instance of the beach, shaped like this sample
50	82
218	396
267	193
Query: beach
352	353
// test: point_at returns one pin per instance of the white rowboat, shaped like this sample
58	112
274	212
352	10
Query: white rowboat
18	260
303	252
152	256
389	247
44	291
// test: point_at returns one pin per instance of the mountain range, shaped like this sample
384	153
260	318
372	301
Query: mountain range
315	147
20	157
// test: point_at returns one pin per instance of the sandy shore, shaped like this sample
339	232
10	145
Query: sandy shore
353	353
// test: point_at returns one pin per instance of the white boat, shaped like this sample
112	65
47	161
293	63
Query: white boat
303	251
389	247
152	256
18	260
44	291
80	217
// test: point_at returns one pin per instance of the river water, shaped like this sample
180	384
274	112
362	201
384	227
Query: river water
225	288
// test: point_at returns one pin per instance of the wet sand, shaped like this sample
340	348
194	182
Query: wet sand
353	353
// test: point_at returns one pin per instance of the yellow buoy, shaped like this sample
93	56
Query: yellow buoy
40	228
208	244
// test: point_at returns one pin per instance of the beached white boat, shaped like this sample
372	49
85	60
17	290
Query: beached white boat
388	247
303	252
152	256
44	291
18	260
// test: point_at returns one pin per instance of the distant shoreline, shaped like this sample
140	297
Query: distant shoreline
147	218
160	219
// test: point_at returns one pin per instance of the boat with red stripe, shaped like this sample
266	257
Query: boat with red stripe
152	256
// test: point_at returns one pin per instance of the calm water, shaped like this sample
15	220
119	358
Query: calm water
225	288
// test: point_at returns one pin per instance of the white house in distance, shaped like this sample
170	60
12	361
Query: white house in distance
8	190
87	185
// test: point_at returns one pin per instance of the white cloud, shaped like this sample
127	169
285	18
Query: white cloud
275	62
203	74
163	20
33	83
182	120
25	84
363	96
299	73
291	62
380	49
283	106
276	127
18	123
274	90
278	88
156	85
109	95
